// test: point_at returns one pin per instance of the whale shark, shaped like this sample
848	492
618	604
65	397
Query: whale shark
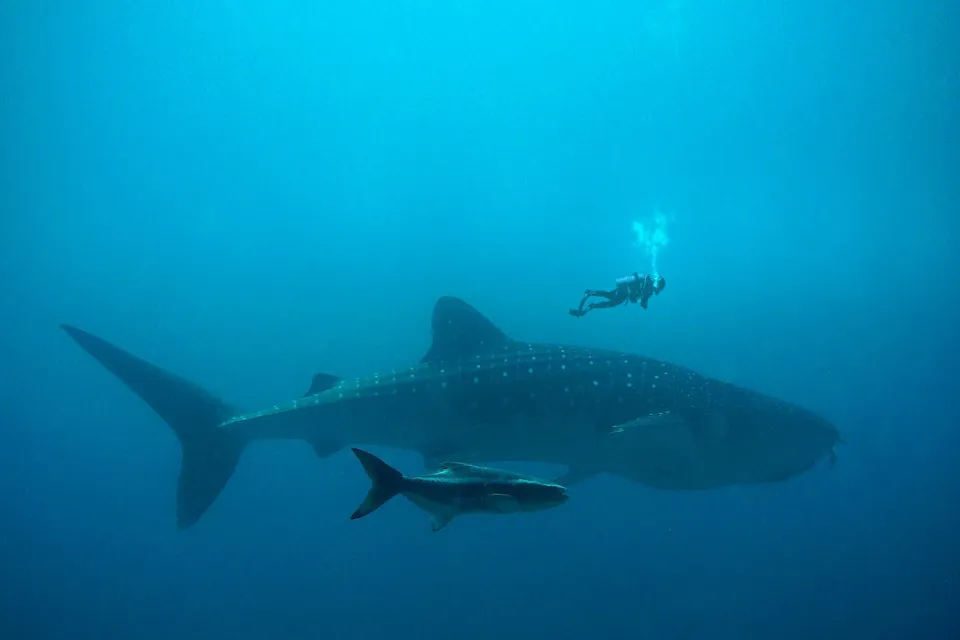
479	395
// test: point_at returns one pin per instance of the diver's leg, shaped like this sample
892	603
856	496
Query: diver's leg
609	295
613	298
591	293
606	304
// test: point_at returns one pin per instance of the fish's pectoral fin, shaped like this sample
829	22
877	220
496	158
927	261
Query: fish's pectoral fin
504	503
441	513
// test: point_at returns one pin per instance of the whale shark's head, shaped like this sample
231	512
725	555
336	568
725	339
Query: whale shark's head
787	440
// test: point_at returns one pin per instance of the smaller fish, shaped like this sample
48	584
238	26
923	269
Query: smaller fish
457	488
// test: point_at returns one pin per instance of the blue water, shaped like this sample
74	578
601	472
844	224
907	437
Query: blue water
247	193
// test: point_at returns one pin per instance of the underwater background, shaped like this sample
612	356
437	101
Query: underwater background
247	193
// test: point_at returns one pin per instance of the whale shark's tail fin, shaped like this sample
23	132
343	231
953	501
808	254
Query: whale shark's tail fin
210	454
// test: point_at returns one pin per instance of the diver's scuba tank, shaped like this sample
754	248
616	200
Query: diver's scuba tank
628	279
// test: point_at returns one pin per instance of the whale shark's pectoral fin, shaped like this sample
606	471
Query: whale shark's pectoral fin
662	419
712	427
321	382
325	447
504	503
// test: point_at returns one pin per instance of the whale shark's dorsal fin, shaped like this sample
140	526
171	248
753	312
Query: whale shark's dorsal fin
321	382
460	331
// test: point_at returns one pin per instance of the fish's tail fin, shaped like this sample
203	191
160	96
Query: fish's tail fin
386	482
210	454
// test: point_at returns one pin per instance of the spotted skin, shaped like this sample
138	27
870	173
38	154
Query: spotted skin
541	390
645	419
480	396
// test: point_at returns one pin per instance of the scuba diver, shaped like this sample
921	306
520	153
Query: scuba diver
635	288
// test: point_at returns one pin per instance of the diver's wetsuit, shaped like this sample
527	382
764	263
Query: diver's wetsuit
635	288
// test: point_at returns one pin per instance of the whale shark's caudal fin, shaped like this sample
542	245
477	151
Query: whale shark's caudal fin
210	454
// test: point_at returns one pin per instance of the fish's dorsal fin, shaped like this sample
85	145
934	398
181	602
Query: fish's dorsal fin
321	382
473	471
460	331
457	466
